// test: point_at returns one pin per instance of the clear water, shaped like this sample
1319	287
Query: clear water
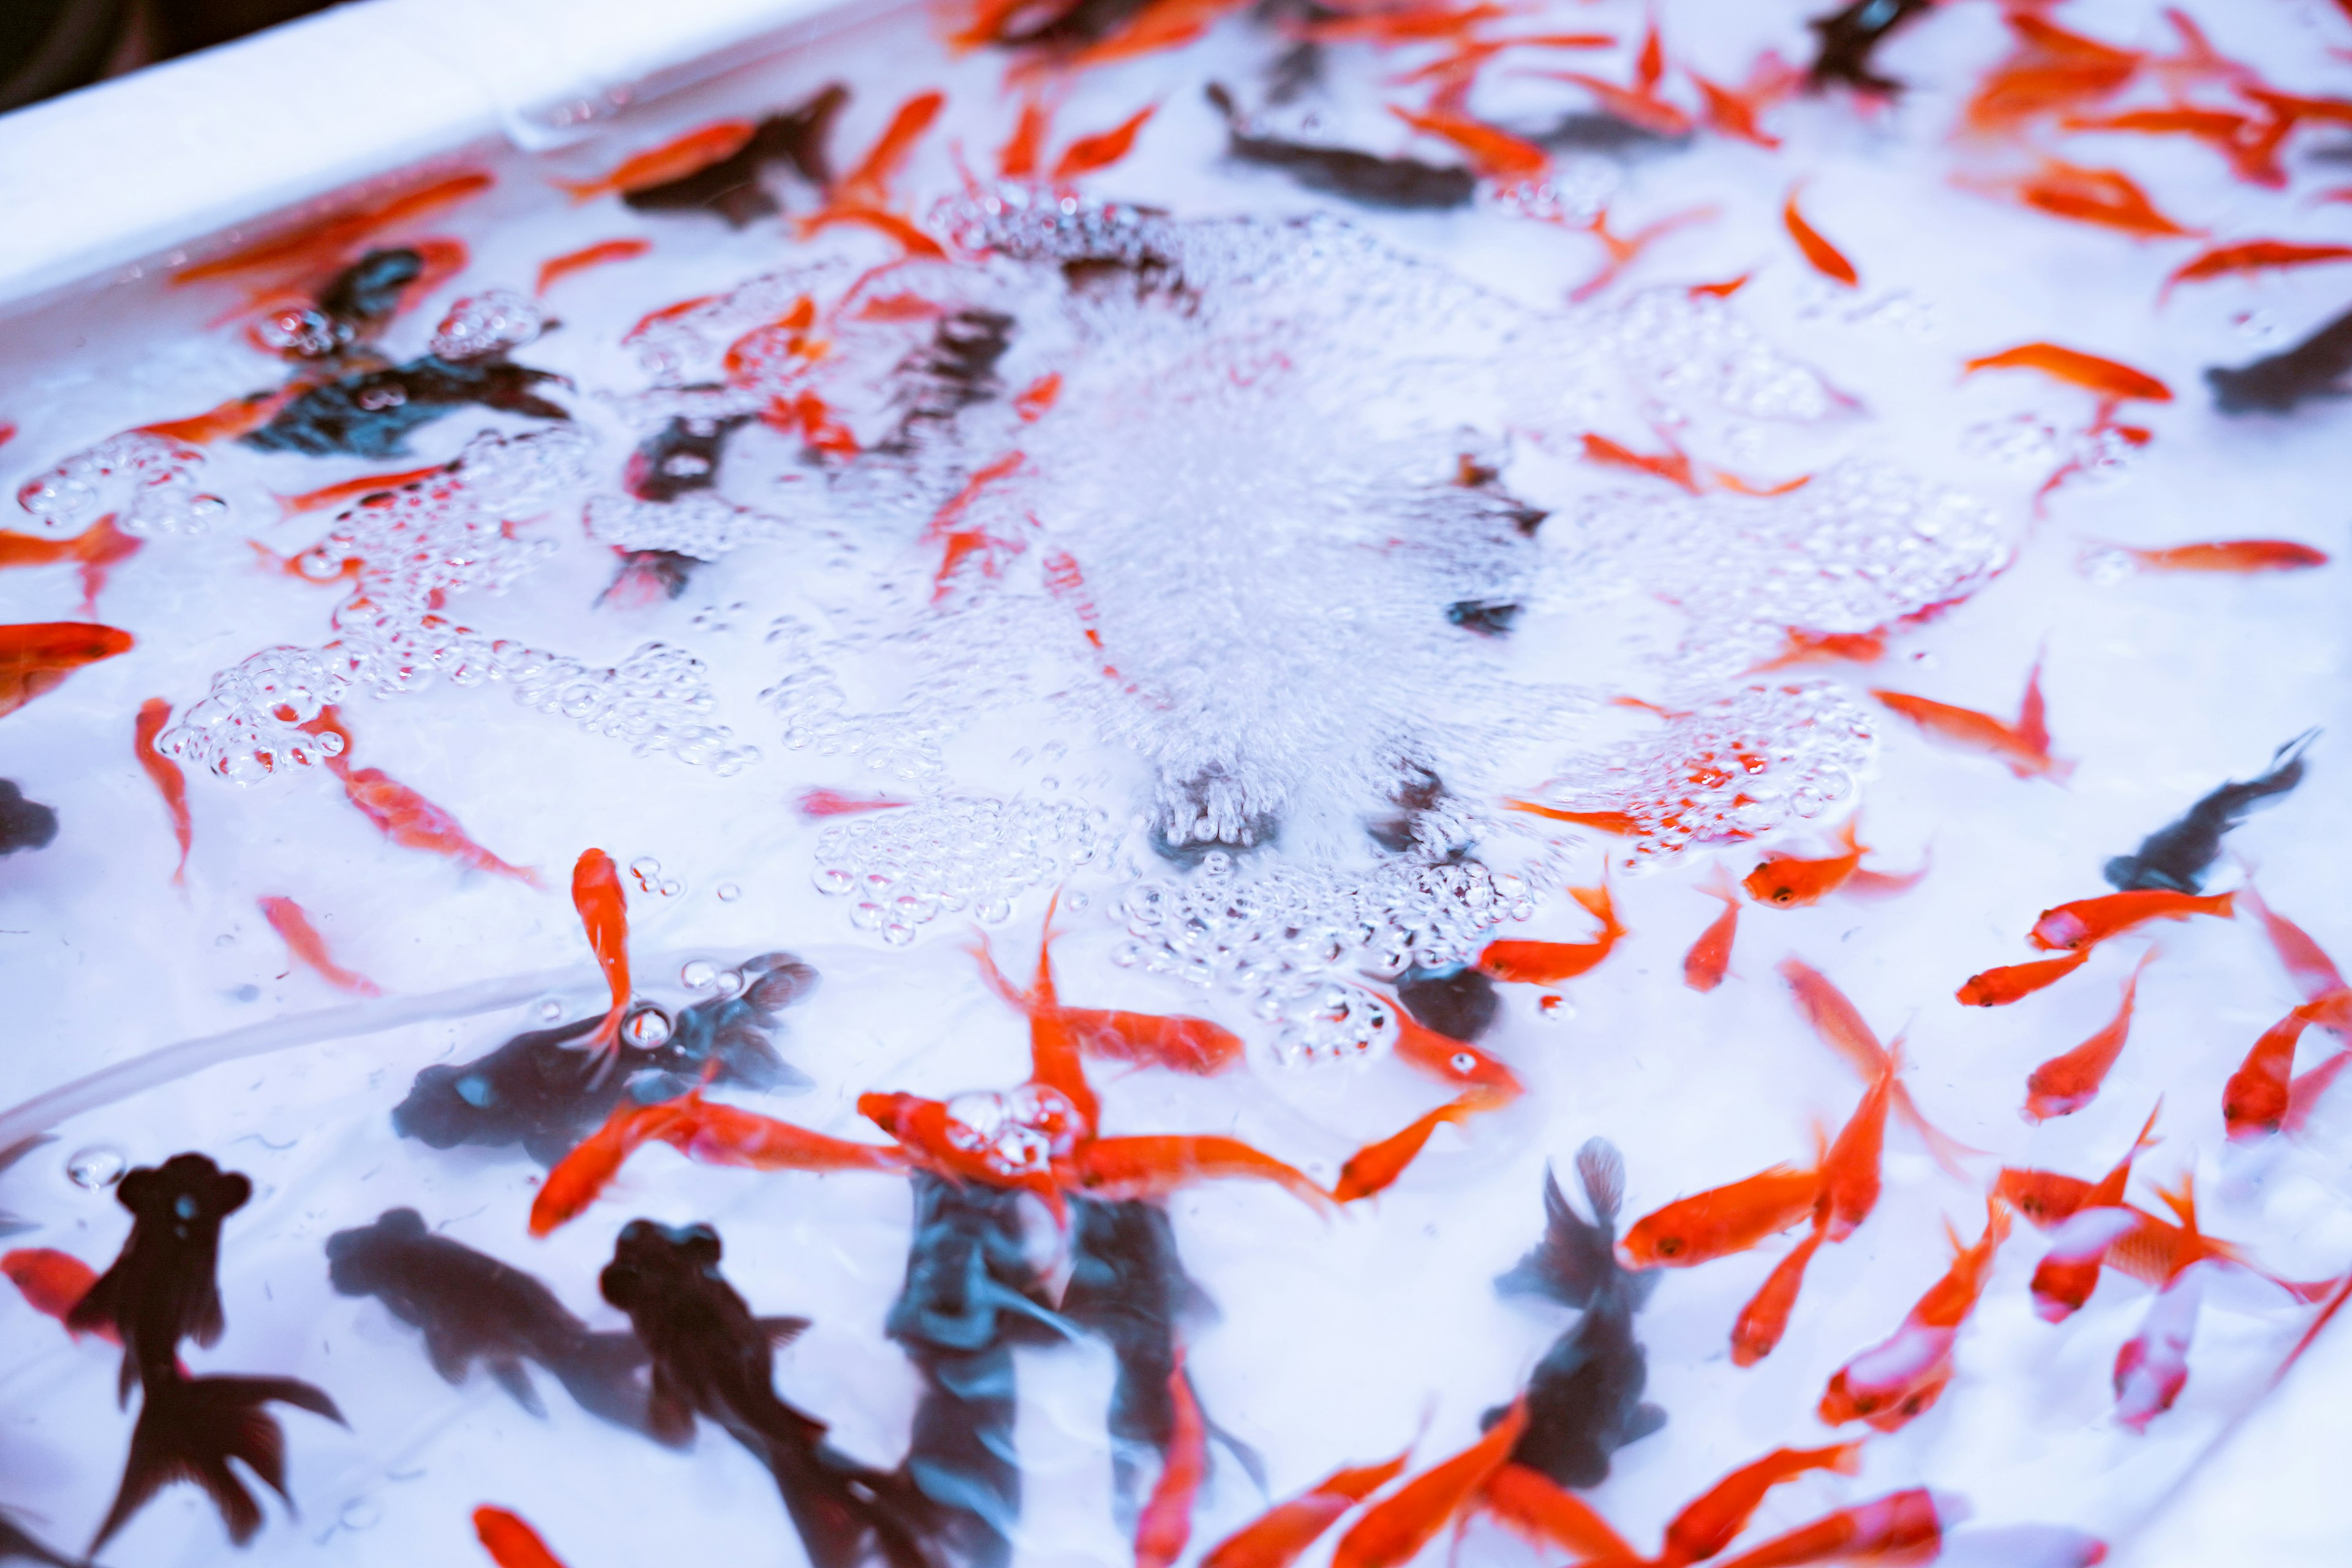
1223	646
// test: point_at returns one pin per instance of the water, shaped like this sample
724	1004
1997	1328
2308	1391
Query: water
1228	558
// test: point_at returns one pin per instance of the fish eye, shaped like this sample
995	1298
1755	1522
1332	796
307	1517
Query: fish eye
1464	1061
1669	1246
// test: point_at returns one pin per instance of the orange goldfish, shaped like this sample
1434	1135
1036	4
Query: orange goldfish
1674	466
2235	555
1710	955
1824	258
1281	1535
2023	747
1376	1166
1722	1221
510	1543
1757	1332
320	243
36	657
303	939
54	1283
1733	113
2254	1101
2012	983
234	417
1891	1383
349	490
1549	962
868	184
412	822
98	550
1393	1530
1537	1507
673	159
2109	198
1715	1519
2089	371
1498	155
555	268
1165	1525
2088	921
1455	1062
1619	822
170	783
2064	1084
1786	882
605	916
1622	252
1901	1527
1154	1166
2251	256
1034	401
1182	1043
814	803
1841	1027
1824	648
1101	151
574	1181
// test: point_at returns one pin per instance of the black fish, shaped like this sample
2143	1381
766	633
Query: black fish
16	1541
1402	183
364	295
646	575
955	370
682	456
1584	1398
970	1296
2178	856
1073	28
1590	130
24	824
712	1358
731	187
541	1091
1849	36
2319	366
474	1309
162	1289
1416	790
370	412
1459	1003
1489	617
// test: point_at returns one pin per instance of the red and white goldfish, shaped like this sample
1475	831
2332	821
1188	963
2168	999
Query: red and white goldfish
2065	1083
2152	1366
36	657
1549	962
1894	1381
2023	746
2069	1272
2086	923
165	774
1901	1527
1790	881
288	920
1280	1536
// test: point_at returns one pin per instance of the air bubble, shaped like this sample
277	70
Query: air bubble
993	912
729	892
672	889
1555	1009
868	917
835	881
97	1167
728	983
548	1012
646	1028
699	974
897	933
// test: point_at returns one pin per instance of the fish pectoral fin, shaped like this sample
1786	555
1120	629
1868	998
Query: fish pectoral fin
515	1378
1645	1419
781	1331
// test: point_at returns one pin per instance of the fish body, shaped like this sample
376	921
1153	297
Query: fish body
1127	1286
711	1358
1823	257
1724	1220
475	1311
24	824
1901	1527
1550	962
319	243
1714	1519
1166	1523
2023	746
96	550
2086	923
673	159
412	822
1280	1536
1156	1165
2065	1083
2069	1272
731	186
1897	1379
2255	1100
53	1284
1536	1508
1392	1530
1405	184
512	1543
1756	1332
1851	35
1376	1166
293	926
1709	957
2235	556
2318	367
2014	982
1583	1401
2176	856
370	412
605	916
2104	376
2152	1367
2253	256
604	253
36	657
165	774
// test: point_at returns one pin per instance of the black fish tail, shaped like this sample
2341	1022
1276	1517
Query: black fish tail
845	1512
190	1428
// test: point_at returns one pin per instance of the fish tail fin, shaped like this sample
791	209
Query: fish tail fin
190	1428
1942	1147
1597	902
2288	757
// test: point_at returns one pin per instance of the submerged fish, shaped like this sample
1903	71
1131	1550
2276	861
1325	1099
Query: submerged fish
2178	856
713	1359
730	186
2319	366
24	824
546	1088
164	1288
1583	1402
1851	35
36	657
370	412
1401	183
474	1309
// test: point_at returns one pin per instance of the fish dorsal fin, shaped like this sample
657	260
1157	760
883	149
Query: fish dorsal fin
1602	1170
2182	1201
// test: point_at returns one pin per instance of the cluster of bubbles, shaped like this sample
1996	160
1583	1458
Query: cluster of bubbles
412	547
495	322
810	701
1694	347
1734	769
907	866
1296	939
154	477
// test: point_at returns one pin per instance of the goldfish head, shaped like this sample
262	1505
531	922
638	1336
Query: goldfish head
1780	882
1655	1242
